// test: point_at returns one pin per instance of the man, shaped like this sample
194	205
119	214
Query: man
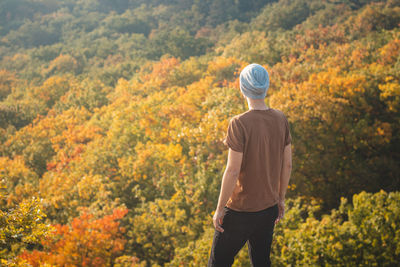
256	177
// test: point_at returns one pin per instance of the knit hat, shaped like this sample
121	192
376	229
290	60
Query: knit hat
254	81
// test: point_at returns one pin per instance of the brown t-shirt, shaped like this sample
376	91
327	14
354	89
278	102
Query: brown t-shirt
262	136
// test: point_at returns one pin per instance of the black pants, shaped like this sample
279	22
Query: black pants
256	228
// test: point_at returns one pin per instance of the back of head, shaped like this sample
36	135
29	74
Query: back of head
254	81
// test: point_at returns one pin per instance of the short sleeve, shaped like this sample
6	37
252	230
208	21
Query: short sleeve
235	135
288	136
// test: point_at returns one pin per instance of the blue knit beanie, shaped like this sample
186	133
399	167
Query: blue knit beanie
254	81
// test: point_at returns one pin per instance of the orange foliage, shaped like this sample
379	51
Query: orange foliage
320	36
86	242
158	77
63	63
71	143
390	52
52	89
18	178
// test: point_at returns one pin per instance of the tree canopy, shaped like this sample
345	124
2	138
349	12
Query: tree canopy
112	116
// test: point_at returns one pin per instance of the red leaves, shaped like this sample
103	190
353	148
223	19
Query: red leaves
87	242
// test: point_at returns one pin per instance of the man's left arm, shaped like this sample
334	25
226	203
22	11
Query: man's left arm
228	183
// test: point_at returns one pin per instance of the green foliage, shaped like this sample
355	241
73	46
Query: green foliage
128	23
196	253
31	35
178	43
88	122
159	227
339	93
364	233
21	227
286	14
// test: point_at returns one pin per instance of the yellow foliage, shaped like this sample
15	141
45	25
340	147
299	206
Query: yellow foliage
390	93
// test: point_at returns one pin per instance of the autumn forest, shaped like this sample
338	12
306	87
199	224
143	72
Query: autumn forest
113	113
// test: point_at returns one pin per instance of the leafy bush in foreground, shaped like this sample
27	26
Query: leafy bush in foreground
364	233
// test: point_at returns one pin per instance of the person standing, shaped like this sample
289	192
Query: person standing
253	187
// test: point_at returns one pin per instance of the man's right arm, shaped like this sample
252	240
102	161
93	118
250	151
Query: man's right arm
284	179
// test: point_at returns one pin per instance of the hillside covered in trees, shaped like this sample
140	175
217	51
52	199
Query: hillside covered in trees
112	116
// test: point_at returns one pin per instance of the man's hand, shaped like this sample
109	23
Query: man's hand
217	219
281	213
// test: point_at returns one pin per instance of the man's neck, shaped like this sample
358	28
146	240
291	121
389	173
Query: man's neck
258	104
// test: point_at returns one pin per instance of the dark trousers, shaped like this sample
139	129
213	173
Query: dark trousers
256	228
